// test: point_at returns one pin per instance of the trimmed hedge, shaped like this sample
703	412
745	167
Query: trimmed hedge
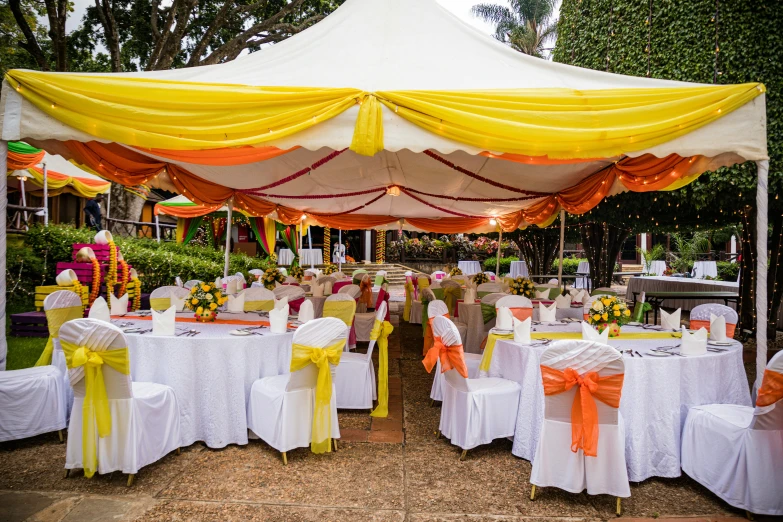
490	264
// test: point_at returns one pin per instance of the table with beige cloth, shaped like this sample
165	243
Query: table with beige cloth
678	284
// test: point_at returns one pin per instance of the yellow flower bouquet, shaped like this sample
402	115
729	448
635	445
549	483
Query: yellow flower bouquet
329	269
522	286
480	278
204	300
271	276
608	312
455	271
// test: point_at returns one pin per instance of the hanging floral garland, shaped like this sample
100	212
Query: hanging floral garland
136	284
78	288
327	245
111	273
96	280
380	247
125	275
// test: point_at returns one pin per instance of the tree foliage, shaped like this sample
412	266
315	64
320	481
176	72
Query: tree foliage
526	25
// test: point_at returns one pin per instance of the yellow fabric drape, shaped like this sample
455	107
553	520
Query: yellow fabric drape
301	356
55	318
160	303
259	306
96	415
406	312
180	230
380	333
486	358
624	336
368	132
450	296
56	183
343	310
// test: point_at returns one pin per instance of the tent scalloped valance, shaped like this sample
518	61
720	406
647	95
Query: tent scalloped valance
557	123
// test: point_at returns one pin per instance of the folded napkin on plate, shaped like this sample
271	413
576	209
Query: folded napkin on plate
581	296
236	303
563	301
278	319
547	314
522	330
718	328
318	289
280	303
100	310
694	343
671	321
504	319
178	303
470	296
574	291
119	306
306	312
591	334
542	295
163	322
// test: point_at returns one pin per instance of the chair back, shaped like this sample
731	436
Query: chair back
325	279
345	313
290	280
436	308
352	290
338	276
449	336
770	417
489	287
520	306
380	315
258	298
603	291
289	291
97	336
61	299
160	298
700	317
584	357
493	298
427	295
318	333
423	281
191	283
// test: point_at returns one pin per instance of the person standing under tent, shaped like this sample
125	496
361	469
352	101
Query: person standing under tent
92	213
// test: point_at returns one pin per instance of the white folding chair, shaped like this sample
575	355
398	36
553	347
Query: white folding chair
32	402
290	291
144	415
347	322
259	299
438	308
737	451
554	463
60	307
280	409
191	283
701	314
355	379
474	411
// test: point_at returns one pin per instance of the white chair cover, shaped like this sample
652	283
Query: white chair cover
489	287
191	283
352	290
62	299
289	291
555	464
513	301
702	313
255	294
355	378
32	402
474	411
144	415
280	409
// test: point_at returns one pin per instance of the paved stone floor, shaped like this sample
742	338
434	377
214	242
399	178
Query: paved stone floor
385	470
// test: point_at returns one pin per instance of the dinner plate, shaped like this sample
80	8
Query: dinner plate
634	323
720	343
240	333
497	330
131	329
658	354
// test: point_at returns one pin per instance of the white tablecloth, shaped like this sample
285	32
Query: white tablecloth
657	267
583	268
469	267
680	284
518	269
307	256
211	375
657	393
702	269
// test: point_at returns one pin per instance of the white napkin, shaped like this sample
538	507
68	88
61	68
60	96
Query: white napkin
280	303
543	295
318	289
328	288
591	334
100	310
671	321
119	306
163	322
521	330
231	286
718	328
306	312
219	283
278	319
470	296
547	314
563	301
694	344
504	319
178	281
236	303
581	296
178	302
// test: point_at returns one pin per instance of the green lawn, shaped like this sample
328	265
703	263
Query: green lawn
22	351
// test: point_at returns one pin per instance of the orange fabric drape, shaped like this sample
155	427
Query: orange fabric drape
59	176
584	413
366	288
455	225
648	173
220	157
771	390
353	221
535	160
115	162
23	161
450	357
184	211
522	313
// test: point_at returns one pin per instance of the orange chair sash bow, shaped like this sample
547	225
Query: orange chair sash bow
428	339
451	357
366	288
584	413
695	324
771	390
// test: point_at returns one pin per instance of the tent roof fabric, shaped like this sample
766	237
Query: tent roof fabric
64	177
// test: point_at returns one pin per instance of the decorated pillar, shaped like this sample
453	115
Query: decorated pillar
380	247
327	245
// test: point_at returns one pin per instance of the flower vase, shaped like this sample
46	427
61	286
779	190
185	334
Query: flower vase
614	330
207	316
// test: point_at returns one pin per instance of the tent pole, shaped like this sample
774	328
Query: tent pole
24	204
45	195
562	245
3	219
762	209
310	246
500	253
300	247
339	250
228	237
108	207
157	227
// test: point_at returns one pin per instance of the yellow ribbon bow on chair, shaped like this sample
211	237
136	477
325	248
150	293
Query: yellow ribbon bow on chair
450	296
380	334
406	312
95	410
55	318
301	356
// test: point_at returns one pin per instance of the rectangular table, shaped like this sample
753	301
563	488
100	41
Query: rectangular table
656	299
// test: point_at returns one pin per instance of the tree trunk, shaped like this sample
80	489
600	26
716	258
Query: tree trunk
57	12
126	206
31	45
538	247
602	244
110	32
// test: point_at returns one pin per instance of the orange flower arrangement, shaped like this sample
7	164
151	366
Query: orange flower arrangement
125	273
77	287
111	273
137	293
96	280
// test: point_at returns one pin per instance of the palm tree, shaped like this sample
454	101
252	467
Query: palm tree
525	26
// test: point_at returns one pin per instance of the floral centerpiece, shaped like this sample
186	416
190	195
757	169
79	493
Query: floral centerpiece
609	312
297	272
455	271
329	269
272	258
204	300
271	276
522	286
480	278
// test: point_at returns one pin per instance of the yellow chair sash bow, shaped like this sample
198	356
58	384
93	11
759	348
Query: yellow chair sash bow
259	306
160	303
406	312
55	318
343	310
450	296
380	333
301	356
486	358
96	415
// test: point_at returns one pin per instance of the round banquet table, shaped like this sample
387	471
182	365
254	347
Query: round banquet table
307	256
469	267
518	269
657	392
211	373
